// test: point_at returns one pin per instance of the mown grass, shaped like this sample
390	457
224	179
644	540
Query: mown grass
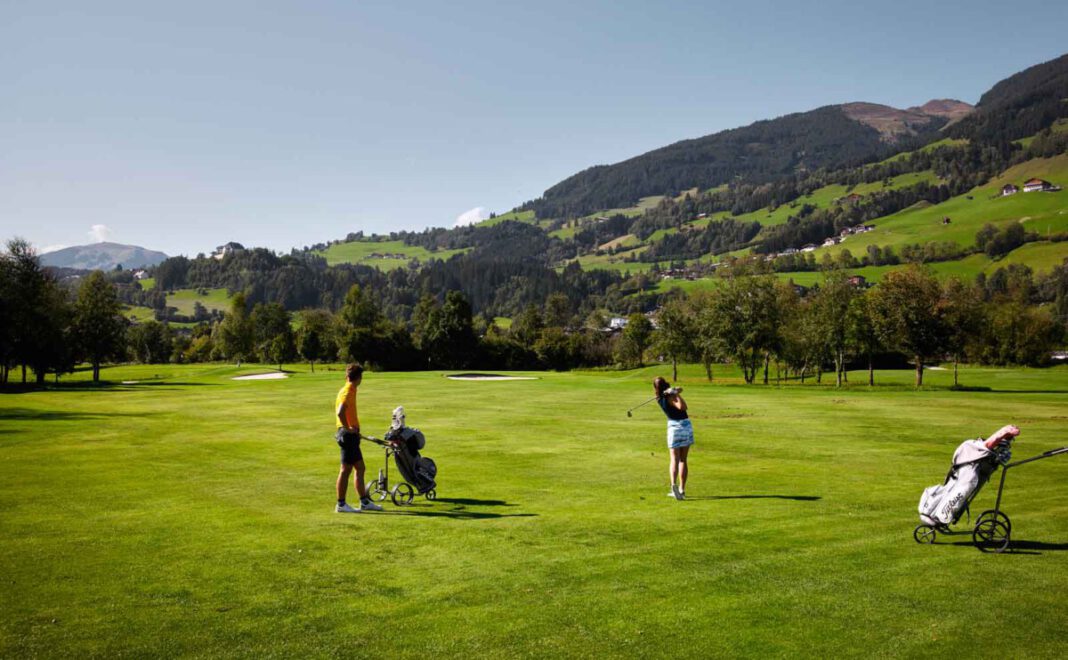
190	514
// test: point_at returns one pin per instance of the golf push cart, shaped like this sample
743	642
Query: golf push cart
973	464
403	444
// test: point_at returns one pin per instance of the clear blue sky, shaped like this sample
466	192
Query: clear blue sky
180	126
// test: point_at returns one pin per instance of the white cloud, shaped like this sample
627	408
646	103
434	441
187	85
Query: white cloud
100	233
475	215
53	248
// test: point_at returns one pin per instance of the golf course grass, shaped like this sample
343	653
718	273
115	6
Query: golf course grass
189	514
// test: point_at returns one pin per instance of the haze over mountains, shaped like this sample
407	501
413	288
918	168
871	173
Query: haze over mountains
103	256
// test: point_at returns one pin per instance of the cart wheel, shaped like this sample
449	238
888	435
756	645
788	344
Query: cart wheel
403	494
989	515
991	534
924	534
431	494
375	491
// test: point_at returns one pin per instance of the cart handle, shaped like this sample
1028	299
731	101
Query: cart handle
1047	454
374	440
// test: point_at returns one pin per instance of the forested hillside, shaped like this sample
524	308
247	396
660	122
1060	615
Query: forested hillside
763	152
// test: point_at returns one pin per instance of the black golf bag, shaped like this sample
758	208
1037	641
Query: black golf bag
417	470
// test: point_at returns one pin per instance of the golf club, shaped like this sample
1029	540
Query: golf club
673	390
639	406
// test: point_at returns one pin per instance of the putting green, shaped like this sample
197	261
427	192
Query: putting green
192	514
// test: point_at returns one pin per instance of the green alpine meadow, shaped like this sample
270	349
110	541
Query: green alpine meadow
173	511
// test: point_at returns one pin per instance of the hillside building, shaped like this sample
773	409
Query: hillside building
229	248
1033	185
1009	189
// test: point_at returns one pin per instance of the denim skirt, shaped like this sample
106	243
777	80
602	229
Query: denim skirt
679	433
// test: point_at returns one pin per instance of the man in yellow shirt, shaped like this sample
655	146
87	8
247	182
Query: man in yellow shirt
348	438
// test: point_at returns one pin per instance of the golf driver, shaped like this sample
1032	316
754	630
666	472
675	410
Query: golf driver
673	390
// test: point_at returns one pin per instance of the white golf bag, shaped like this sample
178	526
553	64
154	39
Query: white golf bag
973	464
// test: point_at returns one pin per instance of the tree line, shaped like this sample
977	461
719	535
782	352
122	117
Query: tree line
749	319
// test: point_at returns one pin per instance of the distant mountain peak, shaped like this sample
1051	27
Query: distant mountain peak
894	123
102	256
951	109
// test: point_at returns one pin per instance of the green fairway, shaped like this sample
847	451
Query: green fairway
381	254
191	514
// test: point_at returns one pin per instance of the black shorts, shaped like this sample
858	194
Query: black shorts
350	447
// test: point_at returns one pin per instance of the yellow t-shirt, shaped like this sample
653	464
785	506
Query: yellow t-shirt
347	395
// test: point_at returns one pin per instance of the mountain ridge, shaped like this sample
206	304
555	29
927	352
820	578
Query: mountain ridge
103	256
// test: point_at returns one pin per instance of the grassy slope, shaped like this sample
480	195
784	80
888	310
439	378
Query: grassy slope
825	196
212	534
945	142
1040	212
359	252
186	299
516	216
820	198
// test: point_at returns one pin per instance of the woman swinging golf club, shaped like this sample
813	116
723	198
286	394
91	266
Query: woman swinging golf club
679	433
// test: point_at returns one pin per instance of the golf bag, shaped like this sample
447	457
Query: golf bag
417	470
973	463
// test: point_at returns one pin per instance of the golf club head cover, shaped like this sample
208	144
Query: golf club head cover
1004	435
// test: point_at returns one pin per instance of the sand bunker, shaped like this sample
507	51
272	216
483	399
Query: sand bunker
488	377
130	382
271	376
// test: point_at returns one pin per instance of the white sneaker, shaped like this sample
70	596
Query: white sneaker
675	492
345	508
369	506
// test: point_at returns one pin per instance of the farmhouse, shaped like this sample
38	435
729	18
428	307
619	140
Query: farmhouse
1032	185
808	248
1009	189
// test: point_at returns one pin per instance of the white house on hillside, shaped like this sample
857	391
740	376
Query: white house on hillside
229	248
1031	185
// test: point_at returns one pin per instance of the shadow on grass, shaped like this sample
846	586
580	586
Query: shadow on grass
59	415
1027	392
472	502
458	515
116	386
796	498
1021	547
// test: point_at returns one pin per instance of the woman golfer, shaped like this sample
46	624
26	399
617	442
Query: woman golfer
679	433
